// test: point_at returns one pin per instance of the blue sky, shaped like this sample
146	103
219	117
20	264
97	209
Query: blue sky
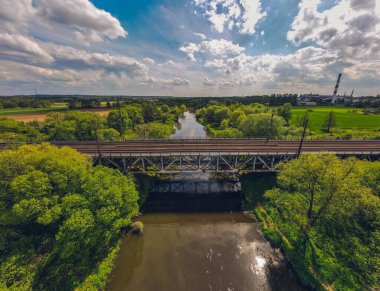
189	47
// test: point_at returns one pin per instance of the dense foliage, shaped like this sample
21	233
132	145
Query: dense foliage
286	122
15	102
129	121
254	120
325	215
59	216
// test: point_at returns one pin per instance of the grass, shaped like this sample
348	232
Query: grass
99	278
13	111
254	187
346	117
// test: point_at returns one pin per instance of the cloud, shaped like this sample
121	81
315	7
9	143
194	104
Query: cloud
149	61
15	43
14	15
89	23
173	82
178	82
242	15
208	82
200	35
80	17
351	27
214	47
20	48
68	57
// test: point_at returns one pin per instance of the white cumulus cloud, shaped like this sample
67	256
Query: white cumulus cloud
214	47
351	27
89	23
242	15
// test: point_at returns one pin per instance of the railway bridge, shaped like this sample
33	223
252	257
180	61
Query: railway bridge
168	156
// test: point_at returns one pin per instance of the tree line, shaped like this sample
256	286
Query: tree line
257	120
145	120
15	102
254	120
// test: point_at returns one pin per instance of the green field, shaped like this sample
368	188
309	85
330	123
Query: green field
346	117
13	111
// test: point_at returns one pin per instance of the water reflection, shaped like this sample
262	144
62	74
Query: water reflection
200	192
189	127
200	252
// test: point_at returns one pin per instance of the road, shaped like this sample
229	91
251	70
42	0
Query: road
193	147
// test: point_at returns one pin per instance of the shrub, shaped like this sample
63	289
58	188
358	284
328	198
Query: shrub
137	227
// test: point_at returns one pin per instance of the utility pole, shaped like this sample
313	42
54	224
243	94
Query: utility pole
95	128
270	127
122	130
305	123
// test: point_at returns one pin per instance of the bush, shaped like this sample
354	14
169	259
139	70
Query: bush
137	227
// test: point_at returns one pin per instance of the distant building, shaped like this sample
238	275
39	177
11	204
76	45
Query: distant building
316	99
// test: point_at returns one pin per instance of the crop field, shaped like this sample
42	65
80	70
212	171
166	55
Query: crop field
39	114
12	111
346	117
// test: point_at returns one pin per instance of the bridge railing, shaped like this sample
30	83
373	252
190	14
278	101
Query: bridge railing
246	154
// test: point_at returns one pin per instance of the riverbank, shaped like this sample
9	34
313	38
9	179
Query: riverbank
254	187
324	215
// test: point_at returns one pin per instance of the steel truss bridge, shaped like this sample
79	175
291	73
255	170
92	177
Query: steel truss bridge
171	156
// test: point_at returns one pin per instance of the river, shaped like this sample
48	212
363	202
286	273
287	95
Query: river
199	251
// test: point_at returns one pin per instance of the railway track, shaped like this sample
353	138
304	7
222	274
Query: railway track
221	146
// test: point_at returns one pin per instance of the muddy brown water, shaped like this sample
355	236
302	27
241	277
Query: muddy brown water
208	251
199	251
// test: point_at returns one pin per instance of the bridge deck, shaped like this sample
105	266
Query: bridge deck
226	147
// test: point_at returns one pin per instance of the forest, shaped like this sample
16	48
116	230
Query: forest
61	218
146	120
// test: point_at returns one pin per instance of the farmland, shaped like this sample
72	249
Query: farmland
39	114
346	118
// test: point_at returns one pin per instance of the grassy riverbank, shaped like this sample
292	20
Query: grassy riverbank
254	187
99	278
336	246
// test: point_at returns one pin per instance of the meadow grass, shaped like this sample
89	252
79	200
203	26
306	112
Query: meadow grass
29	110
346	117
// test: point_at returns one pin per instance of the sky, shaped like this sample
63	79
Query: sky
189	47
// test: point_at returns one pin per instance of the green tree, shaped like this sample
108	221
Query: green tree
155	130
229	132
285	112
236	117
118	119
330	215
135	115
258	125
312	185
148	112
58	215
330	121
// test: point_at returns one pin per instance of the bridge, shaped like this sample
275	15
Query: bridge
167	156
